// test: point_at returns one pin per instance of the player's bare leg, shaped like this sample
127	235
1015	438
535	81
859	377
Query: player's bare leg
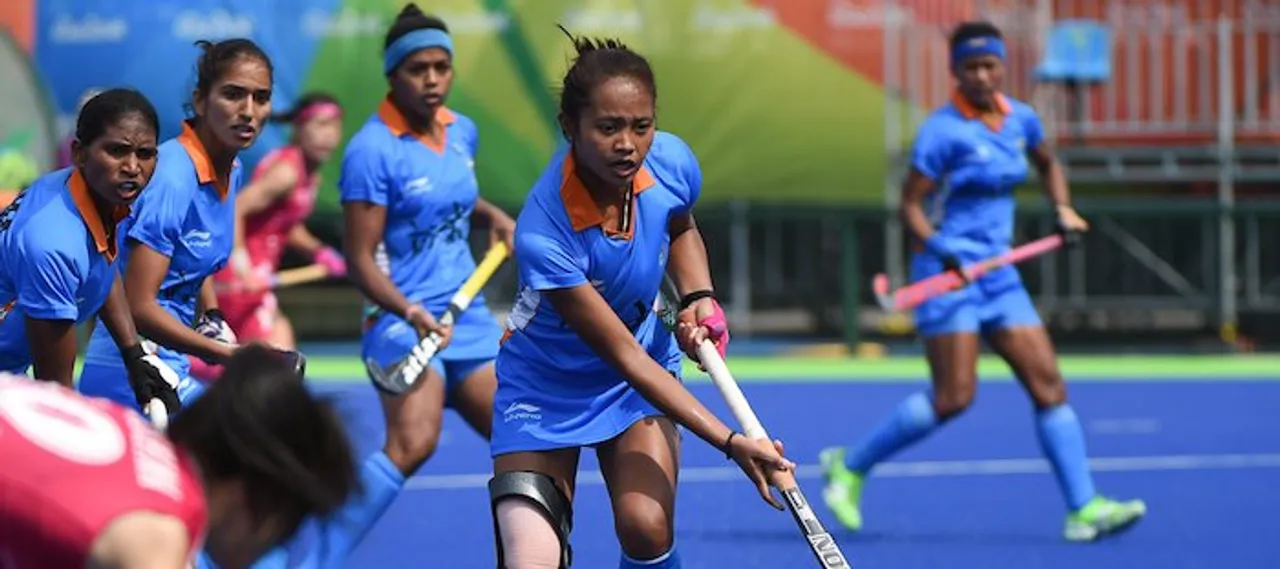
532	496
413	422
1030	354
953	362
473	399
640	469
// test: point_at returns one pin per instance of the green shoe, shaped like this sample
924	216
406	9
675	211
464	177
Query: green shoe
1102	517
843	492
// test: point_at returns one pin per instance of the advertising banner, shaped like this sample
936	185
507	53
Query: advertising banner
756	88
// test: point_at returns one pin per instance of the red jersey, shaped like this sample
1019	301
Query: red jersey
72	465
266	232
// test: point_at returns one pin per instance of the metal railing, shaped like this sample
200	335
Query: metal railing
1146	268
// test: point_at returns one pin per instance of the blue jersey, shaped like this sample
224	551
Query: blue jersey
553	389
975	162
976	165
429	193
56	260
187	215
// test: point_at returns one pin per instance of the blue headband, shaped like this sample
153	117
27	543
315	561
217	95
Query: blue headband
983	45
414	41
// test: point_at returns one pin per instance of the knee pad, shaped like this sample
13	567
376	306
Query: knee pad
541	491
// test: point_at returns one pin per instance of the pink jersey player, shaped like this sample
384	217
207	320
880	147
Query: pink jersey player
271	211
86	482
78	471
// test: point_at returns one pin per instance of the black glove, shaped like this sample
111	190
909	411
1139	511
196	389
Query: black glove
151	379
296	360
1071	238
951	263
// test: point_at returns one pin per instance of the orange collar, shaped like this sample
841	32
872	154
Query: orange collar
582	208
399	125
89	213
200	157
993	120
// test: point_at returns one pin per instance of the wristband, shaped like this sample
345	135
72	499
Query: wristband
728	440
696	296
134	352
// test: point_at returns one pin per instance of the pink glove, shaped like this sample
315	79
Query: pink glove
717	328
332	261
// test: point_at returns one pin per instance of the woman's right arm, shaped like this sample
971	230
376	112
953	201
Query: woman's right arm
263	191
142	279
587	314
930	160
911	210
364	224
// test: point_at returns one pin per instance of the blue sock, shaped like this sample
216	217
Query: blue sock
911	421
1062	440
668	560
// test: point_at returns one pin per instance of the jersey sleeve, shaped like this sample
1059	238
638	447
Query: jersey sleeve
50	279
1034	129
473	137
691	173
363	177
931	151
545	255
158	216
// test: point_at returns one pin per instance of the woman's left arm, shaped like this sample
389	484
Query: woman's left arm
1054	178
501	226
701	316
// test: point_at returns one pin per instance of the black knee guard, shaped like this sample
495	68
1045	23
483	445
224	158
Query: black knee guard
541	490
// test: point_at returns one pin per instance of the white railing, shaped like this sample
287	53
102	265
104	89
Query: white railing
1184	71
1187	76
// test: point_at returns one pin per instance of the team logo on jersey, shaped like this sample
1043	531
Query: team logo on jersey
197	238
522	412
418	186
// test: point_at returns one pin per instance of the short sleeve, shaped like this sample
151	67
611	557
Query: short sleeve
1033	129
687	169
544	255
473	138
931	151
50	280
363	177
158	215
691	172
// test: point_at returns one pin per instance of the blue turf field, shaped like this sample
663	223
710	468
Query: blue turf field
1205	455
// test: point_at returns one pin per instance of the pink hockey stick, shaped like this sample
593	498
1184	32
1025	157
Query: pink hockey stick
913	295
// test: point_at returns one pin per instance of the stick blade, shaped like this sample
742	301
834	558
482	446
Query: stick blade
884	297
390	380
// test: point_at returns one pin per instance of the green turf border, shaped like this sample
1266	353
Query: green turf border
338	369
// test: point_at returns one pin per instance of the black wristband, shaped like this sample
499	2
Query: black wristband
696	296
214	313
728	440
134	352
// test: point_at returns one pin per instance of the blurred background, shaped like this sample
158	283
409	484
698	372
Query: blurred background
1164	112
